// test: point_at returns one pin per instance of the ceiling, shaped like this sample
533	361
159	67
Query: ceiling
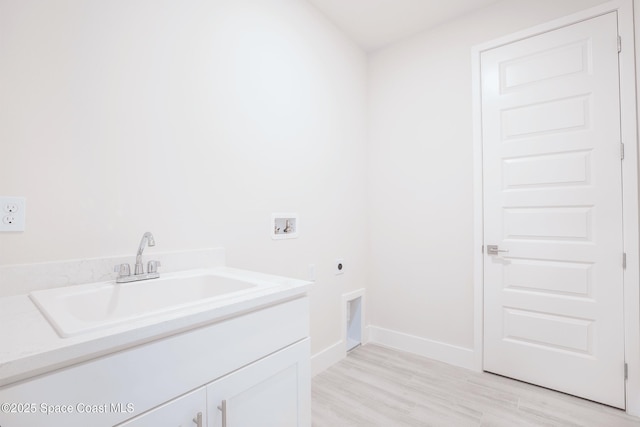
376	23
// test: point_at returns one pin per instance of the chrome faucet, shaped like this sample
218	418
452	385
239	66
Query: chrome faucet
147	238
124	271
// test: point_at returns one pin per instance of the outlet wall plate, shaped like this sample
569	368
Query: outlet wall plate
339	266
12	213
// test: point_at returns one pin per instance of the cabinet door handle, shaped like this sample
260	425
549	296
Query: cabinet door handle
223	409
198	420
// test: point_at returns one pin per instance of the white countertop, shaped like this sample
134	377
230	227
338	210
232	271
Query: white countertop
29	345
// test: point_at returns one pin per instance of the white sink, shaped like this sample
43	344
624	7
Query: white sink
78	309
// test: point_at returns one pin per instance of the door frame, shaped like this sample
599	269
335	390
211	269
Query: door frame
630	198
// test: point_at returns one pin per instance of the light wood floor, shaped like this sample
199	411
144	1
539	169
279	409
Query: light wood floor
375	386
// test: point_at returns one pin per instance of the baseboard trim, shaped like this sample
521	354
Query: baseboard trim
322	360
436	350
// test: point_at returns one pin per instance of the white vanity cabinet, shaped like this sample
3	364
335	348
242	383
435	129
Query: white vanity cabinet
271	392
256	361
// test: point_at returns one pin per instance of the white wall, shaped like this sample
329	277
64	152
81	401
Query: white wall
420	177
196	119
192	119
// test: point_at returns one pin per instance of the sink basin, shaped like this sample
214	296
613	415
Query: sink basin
78	309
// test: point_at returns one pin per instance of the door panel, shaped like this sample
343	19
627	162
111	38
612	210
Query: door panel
553	205
272	392
547	170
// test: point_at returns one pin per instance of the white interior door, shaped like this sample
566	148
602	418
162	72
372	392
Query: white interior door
553	296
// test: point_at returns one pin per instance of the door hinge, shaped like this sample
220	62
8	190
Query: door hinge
626	371
621	151
619	44
624	260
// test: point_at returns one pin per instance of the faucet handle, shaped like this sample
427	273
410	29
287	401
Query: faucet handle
123	270
152	266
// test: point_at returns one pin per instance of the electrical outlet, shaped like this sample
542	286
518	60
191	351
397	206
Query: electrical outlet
12	213
339	266
11	207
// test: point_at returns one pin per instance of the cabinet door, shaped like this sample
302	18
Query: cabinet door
186	411
273	392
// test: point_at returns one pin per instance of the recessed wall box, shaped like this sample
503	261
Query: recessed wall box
353	315
284	225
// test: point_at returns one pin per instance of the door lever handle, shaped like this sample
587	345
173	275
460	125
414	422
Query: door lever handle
494	250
